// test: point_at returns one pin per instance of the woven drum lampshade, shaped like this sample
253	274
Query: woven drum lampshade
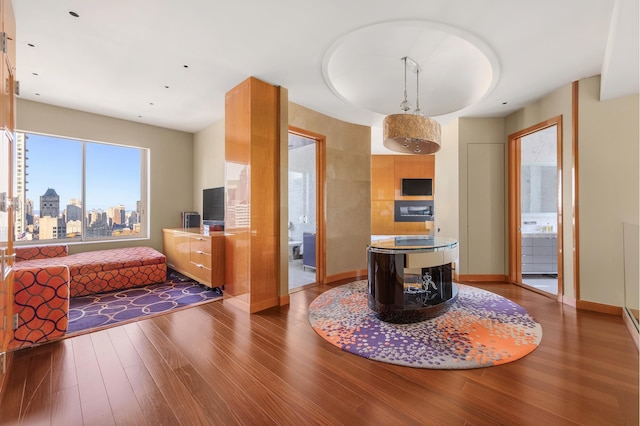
411	134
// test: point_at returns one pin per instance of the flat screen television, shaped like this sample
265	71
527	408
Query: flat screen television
213	204
413	186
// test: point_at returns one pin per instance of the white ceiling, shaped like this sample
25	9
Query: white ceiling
170	63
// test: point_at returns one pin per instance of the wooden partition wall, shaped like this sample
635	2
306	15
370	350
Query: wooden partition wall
252	135
387	172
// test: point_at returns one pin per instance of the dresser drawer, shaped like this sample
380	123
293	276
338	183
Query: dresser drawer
201	273
201	244
199	257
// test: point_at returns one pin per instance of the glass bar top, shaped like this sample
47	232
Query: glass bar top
411	242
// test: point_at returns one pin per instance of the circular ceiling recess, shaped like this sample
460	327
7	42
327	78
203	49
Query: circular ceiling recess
365	67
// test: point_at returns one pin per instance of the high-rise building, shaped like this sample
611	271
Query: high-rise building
50	204
20	189
132	218
116	215
28	211
74	210
51	228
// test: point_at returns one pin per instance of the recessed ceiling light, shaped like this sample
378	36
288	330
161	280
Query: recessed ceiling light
150	103
34	73
74	14
139	116
166	87
504	103
37	94
31	45
186	66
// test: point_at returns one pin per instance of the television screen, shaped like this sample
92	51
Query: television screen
417	187
213	204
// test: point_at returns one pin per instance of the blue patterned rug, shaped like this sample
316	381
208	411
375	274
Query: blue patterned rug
100	310
480	329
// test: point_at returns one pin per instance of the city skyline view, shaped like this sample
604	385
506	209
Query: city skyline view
112	172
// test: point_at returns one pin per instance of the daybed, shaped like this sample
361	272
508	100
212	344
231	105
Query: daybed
46	277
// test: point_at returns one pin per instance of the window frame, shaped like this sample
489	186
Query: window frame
144	191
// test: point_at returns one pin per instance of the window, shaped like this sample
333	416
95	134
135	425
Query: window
75	190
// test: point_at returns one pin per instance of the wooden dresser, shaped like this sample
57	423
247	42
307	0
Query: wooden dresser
195	255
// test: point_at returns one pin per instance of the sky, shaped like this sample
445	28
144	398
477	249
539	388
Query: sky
113	172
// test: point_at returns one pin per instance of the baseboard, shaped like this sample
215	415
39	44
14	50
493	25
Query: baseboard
241	303
598	307
481	278
285	300
571	301
631	326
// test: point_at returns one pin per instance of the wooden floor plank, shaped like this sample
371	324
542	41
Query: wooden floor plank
180	399
94	400
13	395
37	391
123	401
214	364
65	407
63	367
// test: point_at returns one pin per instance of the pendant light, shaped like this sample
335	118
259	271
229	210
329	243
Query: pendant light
411	133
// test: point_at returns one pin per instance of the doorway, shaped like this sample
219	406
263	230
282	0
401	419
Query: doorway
305	228
535	208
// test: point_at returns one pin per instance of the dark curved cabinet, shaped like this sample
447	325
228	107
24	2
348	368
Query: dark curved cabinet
309	250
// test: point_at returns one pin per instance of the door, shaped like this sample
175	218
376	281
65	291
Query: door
7	127
535	208
6	245
305	228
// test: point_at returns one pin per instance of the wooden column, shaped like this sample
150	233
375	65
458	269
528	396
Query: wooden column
252	135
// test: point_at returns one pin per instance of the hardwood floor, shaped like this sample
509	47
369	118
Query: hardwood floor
213	364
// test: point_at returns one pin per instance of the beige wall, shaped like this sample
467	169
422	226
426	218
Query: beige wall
552	105
608	166
608	173
208	161
482	196
447	203
348	193
171	160
348	189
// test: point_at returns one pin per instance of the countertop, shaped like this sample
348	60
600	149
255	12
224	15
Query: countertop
539	235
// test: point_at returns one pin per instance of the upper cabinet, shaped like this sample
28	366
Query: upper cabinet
387	173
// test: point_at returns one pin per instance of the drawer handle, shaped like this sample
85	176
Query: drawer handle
199	265
200	239
199	251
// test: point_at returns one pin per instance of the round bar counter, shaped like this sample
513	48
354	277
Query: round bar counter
410	277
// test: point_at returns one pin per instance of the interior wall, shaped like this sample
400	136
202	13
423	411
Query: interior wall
171	160
609	190
208	144
482	224
447	202
558	102
348	187
347	192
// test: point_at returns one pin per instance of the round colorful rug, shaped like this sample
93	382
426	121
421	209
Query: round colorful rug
480	329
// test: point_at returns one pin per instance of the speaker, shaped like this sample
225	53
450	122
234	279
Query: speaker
190	220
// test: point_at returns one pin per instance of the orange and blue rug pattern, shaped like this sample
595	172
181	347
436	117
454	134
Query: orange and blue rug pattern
480	329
